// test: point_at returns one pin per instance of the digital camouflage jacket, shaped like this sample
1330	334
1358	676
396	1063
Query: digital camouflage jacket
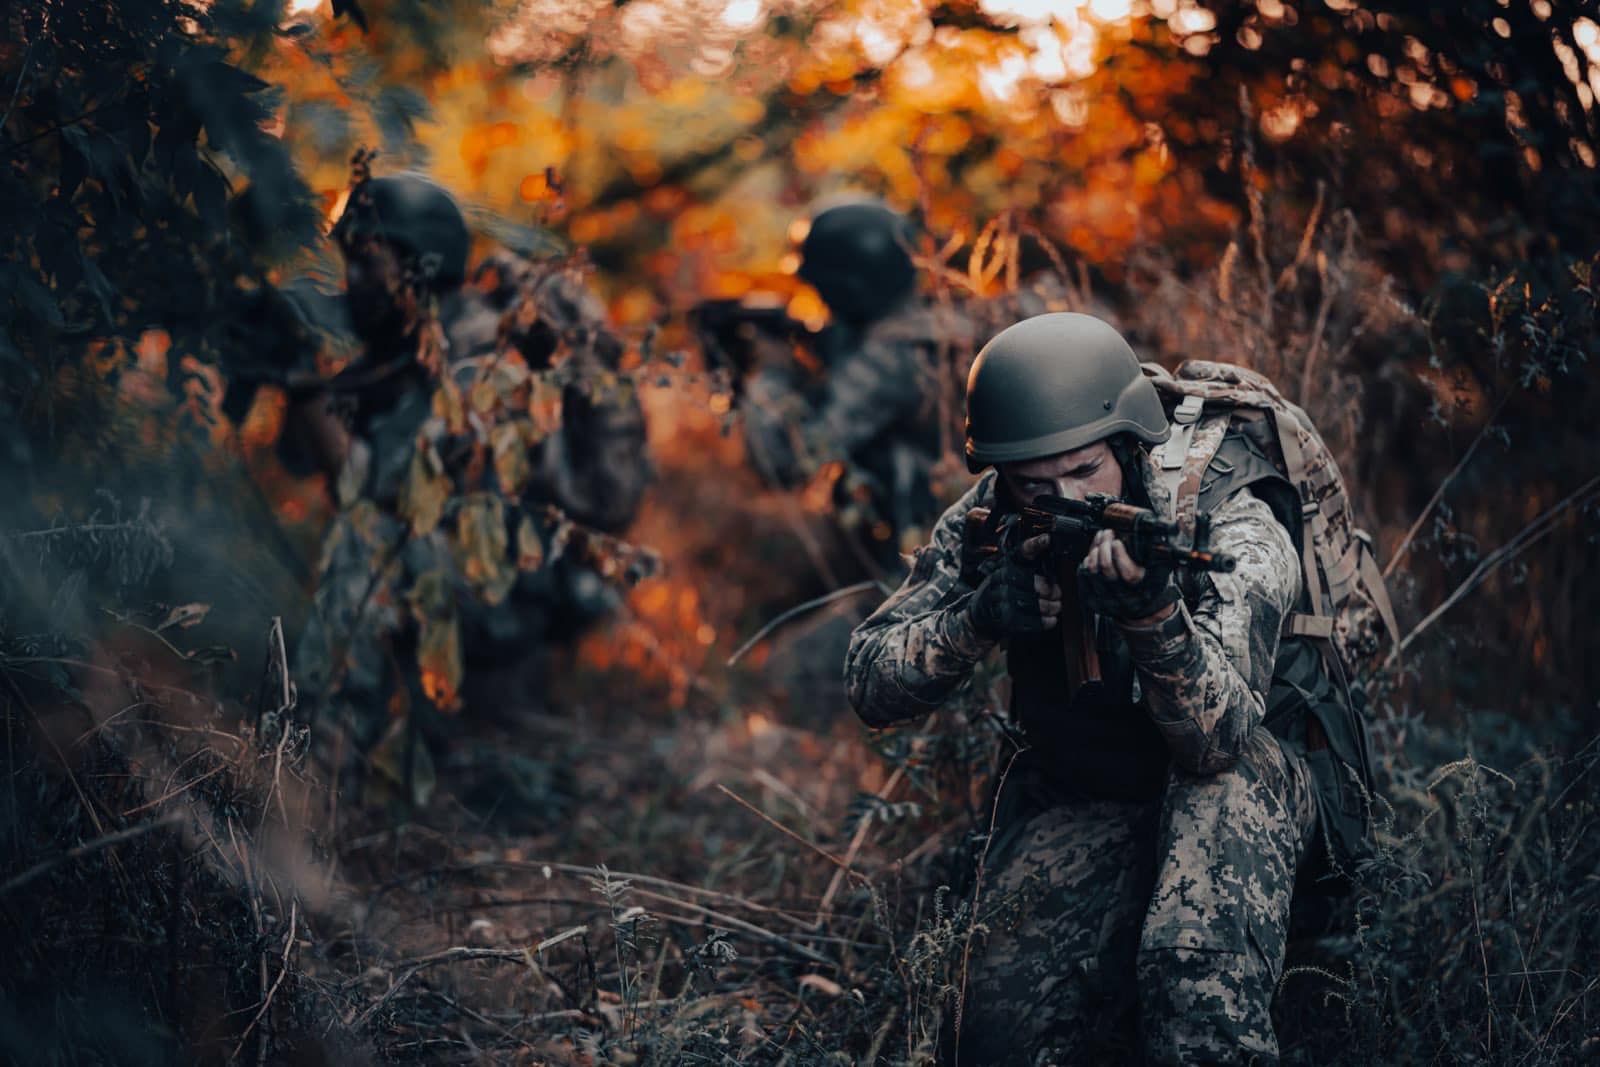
1200	677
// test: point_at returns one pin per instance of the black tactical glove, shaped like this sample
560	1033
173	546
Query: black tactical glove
1109	583
1016	598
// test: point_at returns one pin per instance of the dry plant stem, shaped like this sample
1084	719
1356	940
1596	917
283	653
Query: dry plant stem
274	790
711	894
714	917
456	954
775	824
635	880
266	1004
61	757
278	662
149	632
855	847
1308	366
180	790
977	895
1308	236
78	851
1530	535
799	609
1444	484
786	791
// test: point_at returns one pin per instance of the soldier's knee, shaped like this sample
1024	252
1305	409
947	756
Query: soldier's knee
1256	791
1204	1005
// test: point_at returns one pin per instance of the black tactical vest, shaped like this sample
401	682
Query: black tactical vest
1090	739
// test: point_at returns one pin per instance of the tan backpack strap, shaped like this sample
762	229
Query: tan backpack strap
1372	582
1299	624
1294	459
1183	484
1173	452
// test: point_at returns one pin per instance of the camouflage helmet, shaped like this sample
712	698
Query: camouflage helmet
856	254
1053	383
416	215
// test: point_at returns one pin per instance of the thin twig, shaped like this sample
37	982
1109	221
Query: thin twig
78	851
1438	494
1531	534
718	918
179	791
801	609
27	65
283	970
635	880
775	824
977	894
456	954
855	847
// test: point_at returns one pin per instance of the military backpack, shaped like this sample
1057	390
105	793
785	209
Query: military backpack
1232	429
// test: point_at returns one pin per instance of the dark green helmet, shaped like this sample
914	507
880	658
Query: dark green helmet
857	256
417	216
1054	383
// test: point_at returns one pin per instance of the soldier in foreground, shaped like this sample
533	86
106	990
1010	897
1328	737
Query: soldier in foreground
1149	837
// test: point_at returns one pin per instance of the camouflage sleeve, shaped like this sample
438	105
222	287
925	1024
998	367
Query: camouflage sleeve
1205	670
866	392
912	653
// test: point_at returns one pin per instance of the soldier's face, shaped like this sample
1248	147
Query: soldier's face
373	280
1073	475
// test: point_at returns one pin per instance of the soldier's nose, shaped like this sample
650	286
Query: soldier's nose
1069	490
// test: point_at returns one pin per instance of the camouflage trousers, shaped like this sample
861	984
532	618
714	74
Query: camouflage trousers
1174	913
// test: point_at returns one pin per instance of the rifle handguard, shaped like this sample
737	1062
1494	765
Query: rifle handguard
1072	524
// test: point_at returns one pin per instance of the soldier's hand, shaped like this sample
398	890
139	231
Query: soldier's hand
1113	584
979	551
1017	597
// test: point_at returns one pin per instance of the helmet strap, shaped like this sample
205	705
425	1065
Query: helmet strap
1127	450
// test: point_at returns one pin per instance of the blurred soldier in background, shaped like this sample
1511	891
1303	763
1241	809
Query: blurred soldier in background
403	613
864	394
874	404
866	389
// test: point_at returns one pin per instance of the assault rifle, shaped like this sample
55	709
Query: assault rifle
1072	524
728	330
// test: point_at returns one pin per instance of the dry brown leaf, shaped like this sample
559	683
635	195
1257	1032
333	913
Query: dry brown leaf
424	493
439	659
450	407
530	546
511	466
482	396
481	547
544	405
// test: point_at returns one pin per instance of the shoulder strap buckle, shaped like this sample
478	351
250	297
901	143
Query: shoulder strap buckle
1184	417
1188	410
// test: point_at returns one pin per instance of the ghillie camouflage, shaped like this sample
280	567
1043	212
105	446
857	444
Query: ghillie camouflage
461	497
